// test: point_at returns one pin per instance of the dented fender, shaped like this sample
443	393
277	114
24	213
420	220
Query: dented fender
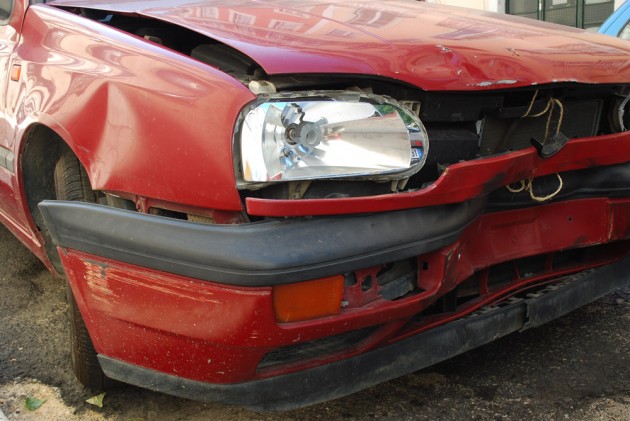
141	119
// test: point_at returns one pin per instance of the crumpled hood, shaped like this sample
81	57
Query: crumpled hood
432	47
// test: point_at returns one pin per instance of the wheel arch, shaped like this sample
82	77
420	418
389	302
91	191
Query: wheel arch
40	149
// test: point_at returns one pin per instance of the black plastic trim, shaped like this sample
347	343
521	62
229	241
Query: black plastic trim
354	374
258	254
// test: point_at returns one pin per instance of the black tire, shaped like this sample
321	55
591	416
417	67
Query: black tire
72	183
82	353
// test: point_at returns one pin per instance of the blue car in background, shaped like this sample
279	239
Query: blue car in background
618	24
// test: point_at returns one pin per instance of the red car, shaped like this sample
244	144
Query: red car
272	204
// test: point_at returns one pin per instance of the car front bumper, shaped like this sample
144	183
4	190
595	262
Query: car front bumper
258	254
350	375
187	308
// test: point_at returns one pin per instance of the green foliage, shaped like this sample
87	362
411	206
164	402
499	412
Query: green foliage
33	403
96	400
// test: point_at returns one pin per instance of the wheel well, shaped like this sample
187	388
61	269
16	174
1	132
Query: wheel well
43	148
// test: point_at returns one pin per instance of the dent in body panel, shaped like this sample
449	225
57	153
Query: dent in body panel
142	119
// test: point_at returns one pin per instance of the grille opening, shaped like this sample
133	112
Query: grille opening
501	274
530	266
315	349
366	284
543	267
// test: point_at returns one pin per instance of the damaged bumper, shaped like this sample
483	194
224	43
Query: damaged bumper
259	254
351	375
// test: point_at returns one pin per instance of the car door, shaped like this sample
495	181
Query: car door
11	17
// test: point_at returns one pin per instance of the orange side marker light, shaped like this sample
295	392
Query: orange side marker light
16	72
308	300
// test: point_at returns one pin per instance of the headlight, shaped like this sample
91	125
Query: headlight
321	135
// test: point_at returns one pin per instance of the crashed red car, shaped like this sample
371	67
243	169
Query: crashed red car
272	204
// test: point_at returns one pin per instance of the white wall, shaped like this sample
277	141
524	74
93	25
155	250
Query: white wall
490	5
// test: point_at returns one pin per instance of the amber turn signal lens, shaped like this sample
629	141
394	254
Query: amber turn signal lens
16	72
308	300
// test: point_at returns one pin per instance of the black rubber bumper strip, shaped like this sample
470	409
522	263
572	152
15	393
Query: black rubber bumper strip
256	254
351	375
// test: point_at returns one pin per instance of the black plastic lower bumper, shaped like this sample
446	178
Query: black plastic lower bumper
257	254
351	375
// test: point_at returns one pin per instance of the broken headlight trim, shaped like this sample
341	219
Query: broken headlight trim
327	135
620	116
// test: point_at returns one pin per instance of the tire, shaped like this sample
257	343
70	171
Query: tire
85	365
72	183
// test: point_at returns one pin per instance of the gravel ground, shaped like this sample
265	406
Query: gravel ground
575	368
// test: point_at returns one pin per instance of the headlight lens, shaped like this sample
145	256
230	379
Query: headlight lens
331	135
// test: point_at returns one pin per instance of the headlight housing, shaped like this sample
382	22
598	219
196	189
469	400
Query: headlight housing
327	135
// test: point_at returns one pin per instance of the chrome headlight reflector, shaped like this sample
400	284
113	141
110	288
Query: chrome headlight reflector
324	135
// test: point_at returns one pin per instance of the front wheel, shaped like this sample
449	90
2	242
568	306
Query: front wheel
72	183
85	365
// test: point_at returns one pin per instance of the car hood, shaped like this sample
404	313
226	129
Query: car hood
432	47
